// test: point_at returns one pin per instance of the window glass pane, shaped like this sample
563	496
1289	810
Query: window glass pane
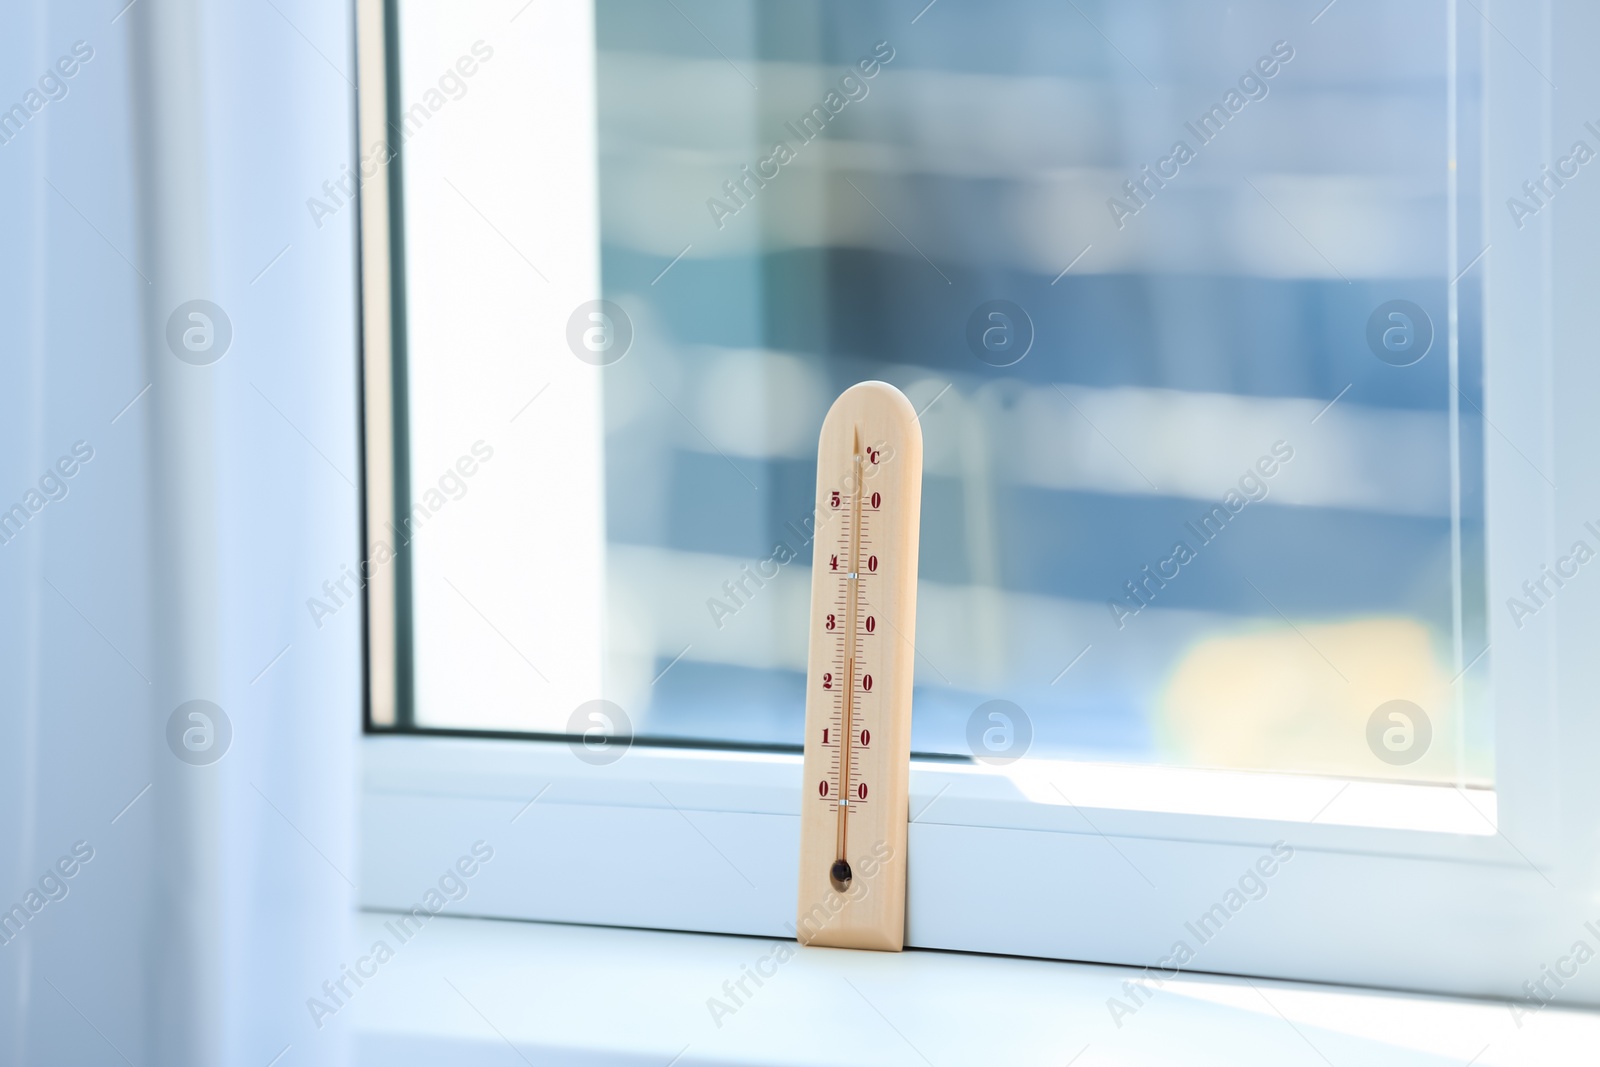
1184	290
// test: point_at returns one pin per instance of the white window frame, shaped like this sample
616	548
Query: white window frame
1423	887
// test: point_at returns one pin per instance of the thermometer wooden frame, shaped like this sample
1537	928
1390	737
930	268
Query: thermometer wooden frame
859	672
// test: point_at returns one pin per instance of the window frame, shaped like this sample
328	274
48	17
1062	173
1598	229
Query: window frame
1424	887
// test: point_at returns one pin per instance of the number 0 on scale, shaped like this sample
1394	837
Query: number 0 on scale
858	699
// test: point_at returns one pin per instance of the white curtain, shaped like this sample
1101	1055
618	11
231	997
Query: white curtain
211	493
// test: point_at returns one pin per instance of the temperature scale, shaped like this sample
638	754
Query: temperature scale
858	697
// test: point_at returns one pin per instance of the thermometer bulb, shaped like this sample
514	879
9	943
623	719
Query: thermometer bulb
839	875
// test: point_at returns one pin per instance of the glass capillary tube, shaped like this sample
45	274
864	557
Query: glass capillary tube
852	577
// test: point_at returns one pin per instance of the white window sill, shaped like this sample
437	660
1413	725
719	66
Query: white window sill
1063	861
570	995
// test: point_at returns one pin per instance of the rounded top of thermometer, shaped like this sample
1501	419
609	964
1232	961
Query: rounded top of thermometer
878	412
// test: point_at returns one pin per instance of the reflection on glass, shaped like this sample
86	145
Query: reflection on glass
1174	285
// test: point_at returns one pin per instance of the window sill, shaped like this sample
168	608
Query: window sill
674	839
576	995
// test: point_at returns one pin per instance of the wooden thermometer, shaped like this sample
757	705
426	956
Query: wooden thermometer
858	696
